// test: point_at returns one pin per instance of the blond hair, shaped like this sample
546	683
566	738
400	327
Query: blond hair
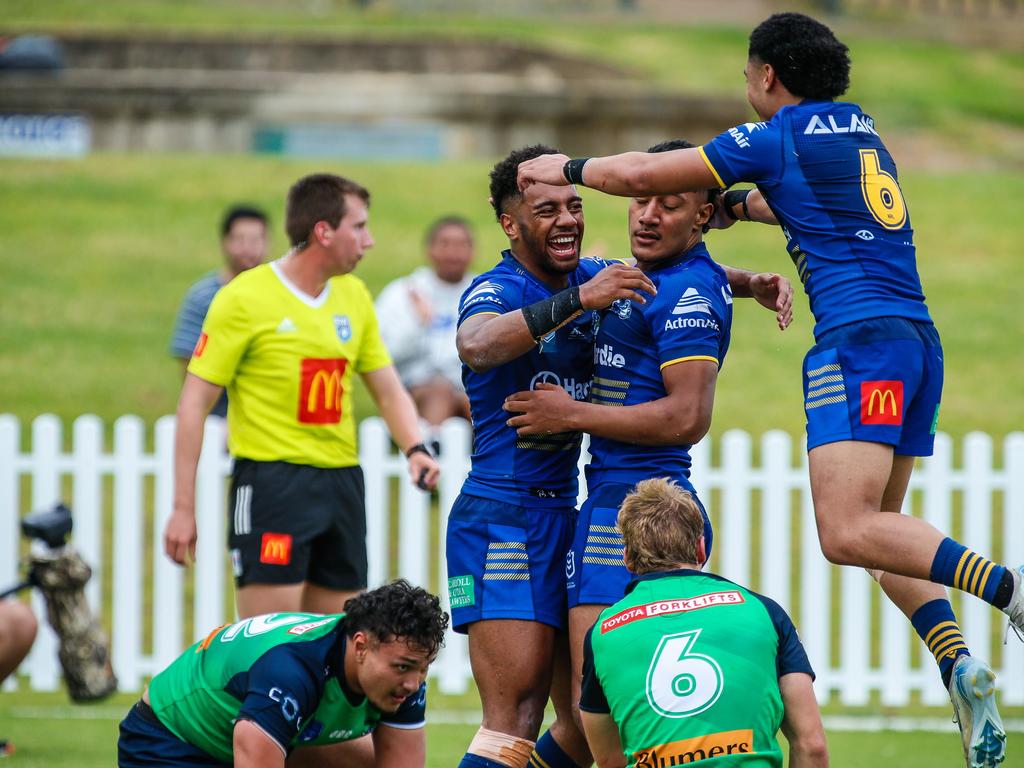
661	526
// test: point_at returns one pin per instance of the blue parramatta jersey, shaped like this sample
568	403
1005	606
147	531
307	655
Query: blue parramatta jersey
536	470
833	186
689	319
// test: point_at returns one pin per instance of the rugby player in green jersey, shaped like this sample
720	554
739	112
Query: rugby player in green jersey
689	667
251	692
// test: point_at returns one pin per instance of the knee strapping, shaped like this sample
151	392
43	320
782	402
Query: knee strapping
501	748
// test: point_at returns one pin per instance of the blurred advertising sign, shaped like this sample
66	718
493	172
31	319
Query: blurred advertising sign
24	135
390	141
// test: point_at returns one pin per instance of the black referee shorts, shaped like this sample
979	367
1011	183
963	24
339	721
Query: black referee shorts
289	523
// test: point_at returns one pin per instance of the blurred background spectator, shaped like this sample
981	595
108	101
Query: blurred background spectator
418	314
244	244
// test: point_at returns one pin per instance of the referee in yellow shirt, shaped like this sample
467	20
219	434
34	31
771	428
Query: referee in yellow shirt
286	340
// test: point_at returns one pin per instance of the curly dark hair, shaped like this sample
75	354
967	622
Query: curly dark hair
805	55
503	175
398	610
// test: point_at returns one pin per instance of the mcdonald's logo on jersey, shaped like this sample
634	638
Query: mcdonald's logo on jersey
881	402
276	548
320	390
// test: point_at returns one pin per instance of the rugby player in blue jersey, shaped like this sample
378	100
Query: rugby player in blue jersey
530	319
656	367
873	380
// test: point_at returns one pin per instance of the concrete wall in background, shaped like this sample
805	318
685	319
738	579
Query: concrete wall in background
355	98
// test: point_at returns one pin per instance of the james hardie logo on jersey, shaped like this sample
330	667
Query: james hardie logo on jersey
690	302
881	402
320	390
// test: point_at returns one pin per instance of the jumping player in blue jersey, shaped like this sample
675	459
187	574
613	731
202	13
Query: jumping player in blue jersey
656	367
873	380
528	320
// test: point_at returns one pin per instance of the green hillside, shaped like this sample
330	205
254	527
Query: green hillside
98	252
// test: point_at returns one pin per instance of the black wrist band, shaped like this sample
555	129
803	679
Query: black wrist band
418	448
573	170
734	196
553	312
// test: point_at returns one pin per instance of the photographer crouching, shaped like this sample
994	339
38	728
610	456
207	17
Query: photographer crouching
60	574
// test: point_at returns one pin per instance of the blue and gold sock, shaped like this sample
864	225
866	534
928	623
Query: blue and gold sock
470	760
958	567
547	754
937	626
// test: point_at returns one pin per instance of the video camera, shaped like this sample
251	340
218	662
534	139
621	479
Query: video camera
61	575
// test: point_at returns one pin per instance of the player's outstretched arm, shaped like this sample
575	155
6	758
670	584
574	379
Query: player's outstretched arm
253	748
682	417
801	722
399	747
770	289
631	174
197	399
488	340
399	411
603	740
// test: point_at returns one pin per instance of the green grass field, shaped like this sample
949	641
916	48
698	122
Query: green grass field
89	734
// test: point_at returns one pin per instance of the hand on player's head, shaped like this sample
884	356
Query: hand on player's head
545	169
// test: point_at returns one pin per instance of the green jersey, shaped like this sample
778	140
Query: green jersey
284	672
687	665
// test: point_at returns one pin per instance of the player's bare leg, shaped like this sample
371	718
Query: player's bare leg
17	632
317	599
581	619
566	729
511	661
968	679
257	599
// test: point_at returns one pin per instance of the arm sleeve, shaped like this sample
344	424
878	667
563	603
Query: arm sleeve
373	355
412	714
686	321
226	334
402	334
791	656
188	324
283	689
592	698
492	295
748	152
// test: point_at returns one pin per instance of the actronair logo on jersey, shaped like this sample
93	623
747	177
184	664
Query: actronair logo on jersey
694	750
488	290
691	303
668	607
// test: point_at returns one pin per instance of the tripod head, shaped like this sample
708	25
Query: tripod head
50	526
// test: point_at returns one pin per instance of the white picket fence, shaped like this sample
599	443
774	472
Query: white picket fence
855	647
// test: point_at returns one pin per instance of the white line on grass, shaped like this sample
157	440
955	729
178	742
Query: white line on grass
862	723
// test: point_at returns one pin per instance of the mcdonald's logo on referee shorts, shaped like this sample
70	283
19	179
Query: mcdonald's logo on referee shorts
276	548
320	390
881	402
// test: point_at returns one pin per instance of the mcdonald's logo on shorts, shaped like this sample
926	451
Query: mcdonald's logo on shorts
276	548
881	402
320	390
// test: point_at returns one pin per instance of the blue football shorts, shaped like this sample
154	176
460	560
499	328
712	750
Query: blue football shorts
506	561
145	742
595	573
877	381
